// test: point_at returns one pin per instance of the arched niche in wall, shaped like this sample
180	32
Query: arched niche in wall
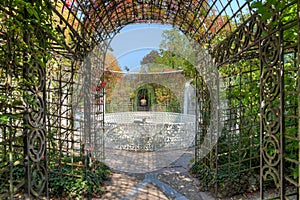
144	98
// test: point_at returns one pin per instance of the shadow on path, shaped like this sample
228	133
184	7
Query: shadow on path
172	182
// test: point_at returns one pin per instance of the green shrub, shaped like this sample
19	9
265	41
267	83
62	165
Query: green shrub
78	183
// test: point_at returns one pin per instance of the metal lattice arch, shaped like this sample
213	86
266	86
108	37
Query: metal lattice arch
254	59
95	22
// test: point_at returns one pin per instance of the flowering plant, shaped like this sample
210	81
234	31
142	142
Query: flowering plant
102	85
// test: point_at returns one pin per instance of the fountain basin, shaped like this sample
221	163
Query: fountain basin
149	131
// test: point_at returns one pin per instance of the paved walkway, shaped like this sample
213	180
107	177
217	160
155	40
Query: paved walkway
171	182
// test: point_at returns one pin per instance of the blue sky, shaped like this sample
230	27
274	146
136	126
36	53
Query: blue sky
135	41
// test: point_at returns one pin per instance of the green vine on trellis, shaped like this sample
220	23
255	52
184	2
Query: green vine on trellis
26	31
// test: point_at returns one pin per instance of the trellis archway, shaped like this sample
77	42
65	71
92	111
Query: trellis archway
273	54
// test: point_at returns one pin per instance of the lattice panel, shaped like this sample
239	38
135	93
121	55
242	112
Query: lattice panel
203	20
277	83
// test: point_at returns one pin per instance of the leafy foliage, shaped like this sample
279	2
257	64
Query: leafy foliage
65	180
77	181
165	97
266	8
176	51
238	183
238	146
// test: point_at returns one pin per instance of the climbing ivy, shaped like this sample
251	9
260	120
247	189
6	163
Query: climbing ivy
26	34
25	41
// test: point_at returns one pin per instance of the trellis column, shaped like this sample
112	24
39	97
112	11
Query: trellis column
87	100
34	96
272	112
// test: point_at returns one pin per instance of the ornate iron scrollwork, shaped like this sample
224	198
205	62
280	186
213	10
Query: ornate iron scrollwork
256	32
271	112
38	179
246	35
35	133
